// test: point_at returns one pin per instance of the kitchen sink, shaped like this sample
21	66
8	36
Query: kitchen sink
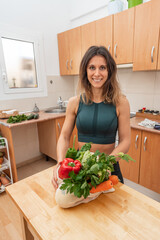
56	110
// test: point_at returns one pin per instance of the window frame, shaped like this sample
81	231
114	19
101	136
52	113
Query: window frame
37	40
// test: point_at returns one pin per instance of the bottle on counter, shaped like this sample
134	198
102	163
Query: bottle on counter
35	109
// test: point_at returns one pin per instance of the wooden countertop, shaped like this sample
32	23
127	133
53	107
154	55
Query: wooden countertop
134	124
42	117
48	116
124	214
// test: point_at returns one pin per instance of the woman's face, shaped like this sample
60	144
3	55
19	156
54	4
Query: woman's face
97	72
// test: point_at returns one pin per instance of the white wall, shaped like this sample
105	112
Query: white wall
84	11
47	18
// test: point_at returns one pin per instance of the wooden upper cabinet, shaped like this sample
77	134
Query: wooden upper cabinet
69	46
157	5
63	49
75	50
146	36
88	36
104	32
124	36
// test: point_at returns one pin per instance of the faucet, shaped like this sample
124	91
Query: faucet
60	102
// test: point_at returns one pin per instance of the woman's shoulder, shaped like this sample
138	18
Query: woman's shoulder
74	100
73	103
123	104
122	100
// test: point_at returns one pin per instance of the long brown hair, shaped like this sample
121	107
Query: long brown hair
111	89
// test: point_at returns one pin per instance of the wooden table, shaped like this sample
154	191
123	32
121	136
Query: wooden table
124	214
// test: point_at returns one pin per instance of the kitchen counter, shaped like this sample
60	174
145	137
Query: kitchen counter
42	117
48	116
124	214
134	124
6	131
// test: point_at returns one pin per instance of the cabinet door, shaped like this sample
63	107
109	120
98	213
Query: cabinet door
59	124
47	138
131	170
123	36
88	36
75	50
104	32
158	67
63	49
157	5
146	36
74	133
150	161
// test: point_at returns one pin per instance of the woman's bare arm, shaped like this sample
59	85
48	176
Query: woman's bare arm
64	139
123	127
68	126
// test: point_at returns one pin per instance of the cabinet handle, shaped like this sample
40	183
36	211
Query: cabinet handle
152	51
109	47
67	64
115	51
71	64
144	145
59	128
136	145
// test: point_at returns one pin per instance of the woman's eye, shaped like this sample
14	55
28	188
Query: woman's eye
91	67
102	67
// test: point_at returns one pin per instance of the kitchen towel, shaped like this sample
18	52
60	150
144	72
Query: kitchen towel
148	123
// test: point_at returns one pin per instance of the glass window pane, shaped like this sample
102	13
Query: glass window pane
20	63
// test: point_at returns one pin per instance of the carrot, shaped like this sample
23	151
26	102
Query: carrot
104	186
114	179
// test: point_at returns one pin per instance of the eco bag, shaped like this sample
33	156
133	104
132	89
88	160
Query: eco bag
67	200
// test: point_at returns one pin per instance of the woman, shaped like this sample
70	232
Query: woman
99	111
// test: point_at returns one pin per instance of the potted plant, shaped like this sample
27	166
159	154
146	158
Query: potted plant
115	6
133	3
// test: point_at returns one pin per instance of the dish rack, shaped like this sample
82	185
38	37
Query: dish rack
6	165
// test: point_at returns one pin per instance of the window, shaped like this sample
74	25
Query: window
22	73
20	63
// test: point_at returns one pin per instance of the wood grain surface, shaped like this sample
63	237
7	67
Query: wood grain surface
124	214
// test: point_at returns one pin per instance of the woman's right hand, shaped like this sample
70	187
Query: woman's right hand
55	179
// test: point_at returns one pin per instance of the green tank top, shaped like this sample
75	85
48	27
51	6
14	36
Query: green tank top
97	122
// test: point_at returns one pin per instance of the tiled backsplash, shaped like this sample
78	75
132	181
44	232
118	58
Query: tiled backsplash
142	89
61	86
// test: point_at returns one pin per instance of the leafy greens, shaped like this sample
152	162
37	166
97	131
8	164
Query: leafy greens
95	170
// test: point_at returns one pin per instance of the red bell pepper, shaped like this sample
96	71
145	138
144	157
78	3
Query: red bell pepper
68	165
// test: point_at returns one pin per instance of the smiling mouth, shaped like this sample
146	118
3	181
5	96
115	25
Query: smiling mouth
96	80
